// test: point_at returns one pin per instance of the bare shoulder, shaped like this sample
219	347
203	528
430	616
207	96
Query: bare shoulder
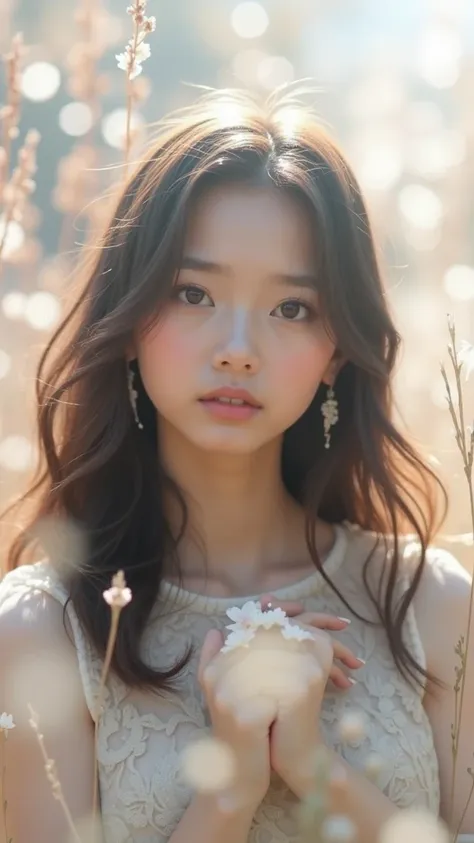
442	607
36	650
39	672
442	610
25	611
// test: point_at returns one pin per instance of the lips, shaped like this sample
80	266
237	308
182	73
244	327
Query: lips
230	396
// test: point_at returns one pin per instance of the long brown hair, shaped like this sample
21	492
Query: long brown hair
99	471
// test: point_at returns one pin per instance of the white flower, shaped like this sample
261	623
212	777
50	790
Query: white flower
6	722
352	727
238	638
118	595
125	62
337	828
248	617
142	52
294	633
274	617
466	357
149	24
131	60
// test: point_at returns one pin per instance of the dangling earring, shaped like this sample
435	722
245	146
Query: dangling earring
133	394
330	411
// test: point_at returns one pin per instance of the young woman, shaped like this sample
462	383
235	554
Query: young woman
216	423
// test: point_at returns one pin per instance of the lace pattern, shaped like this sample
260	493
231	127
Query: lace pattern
141	736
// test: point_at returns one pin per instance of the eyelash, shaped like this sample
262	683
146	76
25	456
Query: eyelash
311	313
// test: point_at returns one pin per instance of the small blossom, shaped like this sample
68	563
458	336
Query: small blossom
249	616
337	828
126	62
6	722
294	633
142	52
208	765
273	617
414	824
118	595
352	727
238	638
466	357
149	24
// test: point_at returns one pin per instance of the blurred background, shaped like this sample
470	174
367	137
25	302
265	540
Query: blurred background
395	85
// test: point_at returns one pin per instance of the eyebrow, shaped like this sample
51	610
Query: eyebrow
305	279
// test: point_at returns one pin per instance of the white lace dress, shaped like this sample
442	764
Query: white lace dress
141	736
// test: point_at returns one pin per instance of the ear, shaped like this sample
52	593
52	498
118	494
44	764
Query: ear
334	367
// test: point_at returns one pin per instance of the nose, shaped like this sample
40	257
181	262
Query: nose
236	352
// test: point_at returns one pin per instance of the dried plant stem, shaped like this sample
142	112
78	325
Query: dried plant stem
465	444
456	833
130	97
115	616
128	132
3	738
6	224
51	773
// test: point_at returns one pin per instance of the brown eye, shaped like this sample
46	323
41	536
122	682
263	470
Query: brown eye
290	309
293	310
193	295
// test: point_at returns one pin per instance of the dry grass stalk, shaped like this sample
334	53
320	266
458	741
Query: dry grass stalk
313	810
14	190
136	52
20	186
52	775
10	113
118	596
4	729
78	172
464	437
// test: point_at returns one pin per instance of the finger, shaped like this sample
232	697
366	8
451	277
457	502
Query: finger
340	679
213	642
322	621
260	710
291	607
346	656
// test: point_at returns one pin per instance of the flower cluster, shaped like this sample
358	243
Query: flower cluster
6	722
251	617
118	596
136	51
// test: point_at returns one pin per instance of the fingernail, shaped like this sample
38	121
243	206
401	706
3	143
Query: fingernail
361	661
352	680
345	620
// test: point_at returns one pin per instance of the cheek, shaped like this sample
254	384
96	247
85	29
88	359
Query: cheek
167	358
302	370
167	348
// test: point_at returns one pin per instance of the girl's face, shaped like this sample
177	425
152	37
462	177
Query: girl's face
244	315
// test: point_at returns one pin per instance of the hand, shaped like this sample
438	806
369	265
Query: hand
318	620
240	718
295	735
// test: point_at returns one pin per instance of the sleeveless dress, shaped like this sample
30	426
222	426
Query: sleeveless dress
141	736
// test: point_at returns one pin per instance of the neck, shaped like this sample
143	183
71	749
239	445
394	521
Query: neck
243	526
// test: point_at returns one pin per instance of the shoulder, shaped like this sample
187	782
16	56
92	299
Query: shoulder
41	687
32	598
39	642
441	603
442	607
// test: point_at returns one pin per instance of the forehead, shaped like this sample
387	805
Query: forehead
235	223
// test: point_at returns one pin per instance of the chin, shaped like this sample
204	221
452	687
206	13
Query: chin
227	441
